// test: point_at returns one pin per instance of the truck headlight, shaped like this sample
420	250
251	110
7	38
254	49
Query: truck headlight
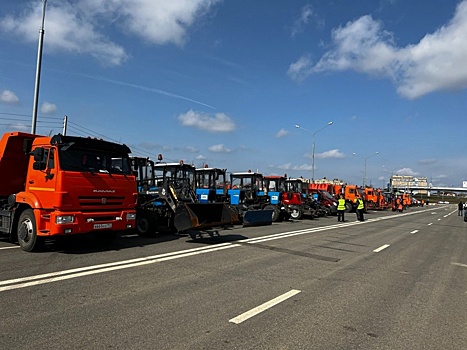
64	219
131	216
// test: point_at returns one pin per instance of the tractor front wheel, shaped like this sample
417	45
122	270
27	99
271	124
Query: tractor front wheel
275	212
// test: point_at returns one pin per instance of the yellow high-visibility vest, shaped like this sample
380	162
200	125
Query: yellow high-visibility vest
360	203
341	204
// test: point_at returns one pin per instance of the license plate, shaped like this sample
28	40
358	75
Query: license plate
101	226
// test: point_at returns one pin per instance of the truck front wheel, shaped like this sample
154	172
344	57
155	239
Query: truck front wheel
27	232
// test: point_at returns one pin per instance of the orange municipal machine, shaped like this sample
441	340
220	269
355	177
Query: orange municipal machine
375	199
64	185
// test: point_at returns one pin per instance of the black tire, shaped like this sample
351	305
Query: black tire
27	232
296	213
348	207
275	212
145	224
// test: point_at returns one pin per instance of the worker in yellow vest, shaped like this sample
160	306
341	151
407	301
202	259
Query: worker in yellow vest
360	208
340	208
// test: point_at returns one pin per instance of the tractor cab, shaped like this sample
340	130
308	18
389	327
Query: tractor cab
211	185
276	188
247	188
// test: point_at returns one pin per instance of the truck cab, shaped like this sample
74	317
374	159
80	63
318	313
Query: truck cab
64	185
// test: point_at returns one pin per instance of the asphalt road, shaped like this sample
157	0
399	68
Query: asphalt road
395	281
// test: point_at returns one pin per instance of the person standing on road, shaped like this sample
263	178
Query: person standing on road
360	208
340	208
460	209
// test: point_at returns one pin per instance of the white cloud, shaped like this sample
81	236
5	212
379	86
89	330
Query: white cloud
289	166
78	26
219	149
48	108
162	21
333	153
200	157
282	133
218	122
192	149
300	23
436	63
9	97
301	69
406	171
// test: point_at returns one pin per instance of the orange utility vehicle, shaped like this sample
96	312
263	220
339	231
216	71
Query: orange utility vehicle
374	199
64	185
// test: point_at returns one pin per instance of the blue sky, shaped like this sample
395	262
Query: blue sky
225	82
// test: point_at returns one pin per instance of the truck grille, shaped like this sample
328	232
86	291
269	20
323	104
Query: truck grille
100	201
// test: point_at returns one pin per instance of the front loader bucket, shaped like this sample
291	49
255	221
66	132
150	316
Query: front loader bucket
213	215
258	217
184	218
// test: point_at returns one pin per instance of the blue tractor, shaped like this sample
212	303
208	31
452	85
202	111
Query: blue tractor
211	185
247	194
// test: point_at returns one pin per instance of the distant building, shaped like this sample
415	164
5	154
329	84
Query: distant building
405	181
328	181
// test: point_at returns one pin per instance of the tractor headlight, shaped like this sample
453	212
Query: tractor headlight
64	219
131	216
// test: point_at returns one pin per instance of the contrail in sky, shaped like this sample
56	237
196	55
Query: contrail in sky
157	91
122	83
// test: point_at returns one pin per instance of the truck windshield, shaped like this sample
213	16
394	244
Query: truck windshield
86	160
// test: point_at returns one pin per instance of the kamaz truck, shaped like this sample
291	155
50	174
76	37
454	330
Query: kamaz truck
64	185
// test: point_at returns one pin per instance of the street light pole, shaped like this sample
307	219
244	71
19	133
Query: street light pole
364	174
38	71
313	148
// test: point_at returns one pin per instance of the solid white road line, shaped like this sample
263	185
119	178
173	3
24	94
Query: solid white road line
12	247
377	250
414	231
263	307
91	270
458	264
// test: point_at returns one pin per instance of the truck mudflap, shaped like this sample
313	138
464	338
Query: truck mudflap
199	216
261	217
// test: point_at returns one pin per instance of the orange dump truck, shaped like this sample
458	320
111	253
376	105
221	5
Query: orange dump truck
64	185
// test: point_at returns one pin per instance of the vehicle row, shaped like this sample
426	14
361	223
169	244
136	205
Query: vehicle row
65	185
